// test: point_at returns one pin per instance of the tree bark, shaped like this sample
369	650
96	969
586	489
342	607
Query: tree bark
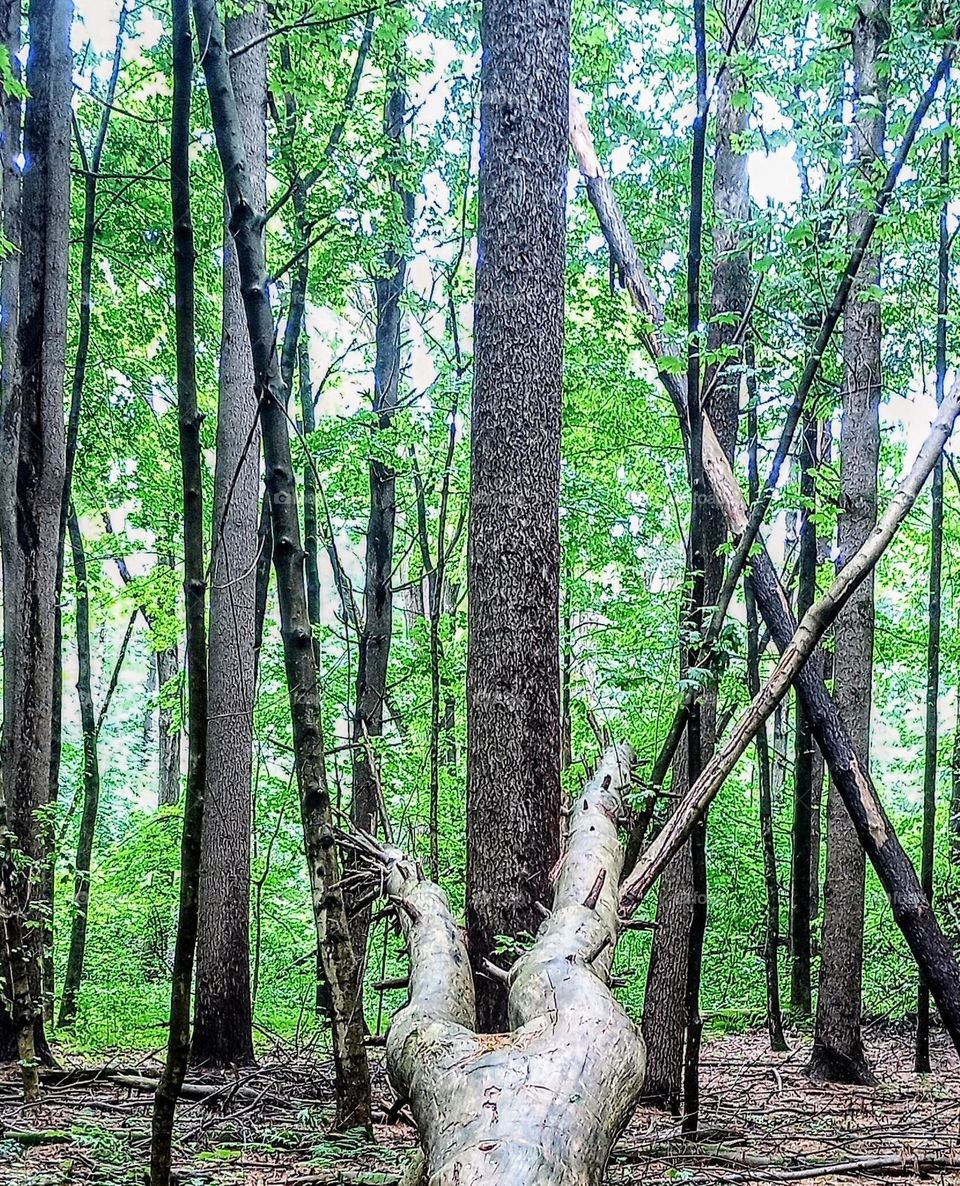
931	730
513	561
31	518
542	1105
91	779
194	588
802	869
838	1053
771	942
333	937
168	784
373	644
223	1021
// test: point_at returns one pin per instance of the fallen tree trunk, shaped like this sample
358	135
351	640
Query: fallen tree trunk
545	1103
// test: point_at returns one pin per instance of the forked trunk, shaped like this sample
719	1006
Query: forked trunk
544	1103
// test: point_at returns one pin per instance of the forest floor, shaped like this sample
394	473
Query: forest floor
762	1121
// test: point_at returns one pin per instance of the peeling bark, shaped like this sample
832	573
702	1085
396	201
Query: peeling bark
543	1104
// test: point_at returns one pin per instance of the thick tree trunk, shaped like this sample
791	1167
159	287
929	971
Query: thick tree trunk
223	1033
32	516
931	730
373	644
838	1049
194	589
91	779
333	936
542	1105
513	562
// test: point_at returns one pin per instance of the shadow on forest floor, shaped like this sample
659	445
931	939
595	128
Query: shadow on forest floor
762	1121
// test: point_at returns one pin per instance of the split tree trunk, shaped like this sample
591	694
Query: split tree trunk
333	936
543	1104
513	560
838	1053
223	1021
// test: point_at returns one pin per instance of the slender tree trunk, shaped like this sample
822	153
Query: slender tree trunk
168	785
771	941
513	561
91	167
10	21
333	936
801	867
194	585
91	779
223	1021
32	516
373	650
838	1049
931	733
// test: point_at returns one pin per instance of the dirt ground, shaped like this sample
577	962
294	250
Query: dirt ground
761	1119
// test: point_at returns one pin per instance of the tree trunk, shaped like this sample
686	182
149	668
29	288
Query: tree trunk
194	588
91	779
223	1022
168	786
513	562
373	644
931	731
31	518
838	1053
333	936
664	1000
771	941
802	870
543	1104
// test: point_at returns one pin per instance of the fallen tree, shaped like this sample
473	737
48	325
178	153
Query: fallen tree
545	1102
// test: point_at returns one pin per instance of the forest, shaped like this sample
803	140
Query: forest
479	534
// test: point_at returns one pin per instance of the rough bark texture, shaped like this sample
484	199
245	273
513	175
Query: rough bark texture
32	517
333	937
223	1032
542	1105
838	1050
664	1009
513	675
